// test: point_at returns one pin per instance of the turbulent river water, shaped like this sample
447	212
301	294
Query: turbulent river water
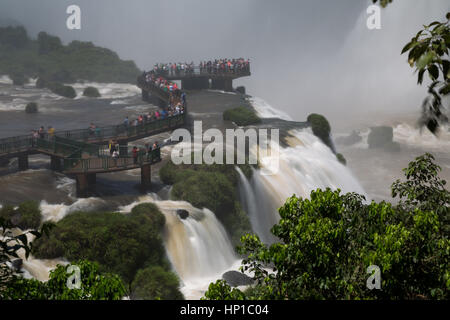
198	247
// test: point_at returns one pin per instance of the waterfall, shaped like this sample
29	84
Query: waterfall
198	247
307	164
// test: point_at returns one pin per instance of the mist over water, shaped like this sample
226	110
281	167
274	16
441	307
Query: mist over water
306	56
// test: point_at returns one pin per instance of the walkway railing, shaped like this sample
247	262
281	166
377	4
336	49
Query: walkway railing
106	163
99	135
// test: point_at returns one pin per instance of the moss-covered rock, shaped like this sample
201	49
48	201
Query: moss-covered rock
91	92
26	216
120	243
156	283
31	107
380	137
242	116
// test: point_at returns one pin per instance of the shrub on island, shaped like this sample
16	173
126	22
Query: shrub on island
242	116
31	107
62	90
156	283
26	216
119	243
91	92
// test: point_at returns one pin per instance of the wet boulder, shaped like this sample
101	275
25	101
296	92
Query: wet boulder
380	136
17	264
236	278
182	213
240	90
349	140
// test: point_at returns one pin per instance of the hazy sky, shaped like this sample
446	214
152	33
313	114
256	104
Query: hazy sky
307	55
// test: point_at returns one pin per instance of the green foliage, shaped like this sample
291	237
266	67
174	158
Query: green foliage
328	241
321	128
220	290
26	216
48	58
383	3
91	92
48	43
428	52
94	285
15	37
341	159
155	283
121	244
10	245
242	116
31	107
213	187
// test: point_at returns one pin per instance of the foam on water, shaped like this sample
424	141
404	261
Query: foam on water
108	90
265	110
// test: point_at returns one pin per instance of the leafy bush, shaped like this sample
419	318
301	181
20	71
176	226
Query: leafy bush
341	159
94	285
242	116
16	37
62	90
155	283
91	92
26	216
328	242
121	244
31	107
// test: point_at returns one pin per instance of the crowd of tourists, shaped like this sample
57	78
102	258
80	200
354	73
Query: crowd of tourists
217	66
224	66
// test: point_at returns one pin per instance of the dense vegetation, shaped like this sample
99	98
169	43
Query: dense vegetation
328	242
242	116
120	243
26	216
124	249
428	52
155	283
213	187
47	58
94	285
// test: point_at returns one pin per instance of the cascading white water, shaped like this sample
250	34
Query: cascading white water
35	268
307	164
198	246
